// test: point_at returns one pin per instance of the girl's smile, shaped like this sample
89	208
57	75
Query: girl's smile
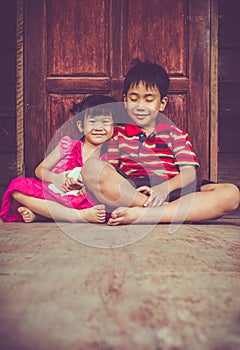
97	129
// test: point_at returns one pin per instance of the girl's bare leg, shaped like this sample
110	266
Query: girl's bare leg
56	211
108	186
27	214
214	200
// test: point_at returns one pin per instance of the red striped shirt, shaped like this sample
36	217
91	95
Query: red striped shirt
160	154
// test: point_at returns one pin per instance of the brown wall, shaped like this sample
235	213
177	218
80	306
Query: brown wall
229	91
7	93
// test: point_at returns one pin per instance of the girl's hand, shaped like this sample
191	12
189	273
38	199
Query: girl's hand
59	181
82	191
157	195
65	183
70	184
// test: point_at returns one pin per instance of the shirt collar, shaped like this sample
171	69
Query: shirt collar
163	124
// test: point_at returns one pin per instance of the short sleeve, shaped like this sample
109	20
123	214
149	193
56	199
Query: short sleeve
66	145
182	148
113	153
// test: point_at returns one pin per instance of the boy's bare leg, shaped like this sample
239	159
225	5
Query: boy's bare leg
108	186
53	210
214	200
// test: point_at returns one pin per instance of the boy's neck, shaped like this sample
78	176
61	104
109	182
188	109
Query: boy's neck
148	131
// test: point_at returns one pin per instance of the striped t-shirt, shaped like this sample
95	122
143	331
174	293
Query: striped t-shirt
158	155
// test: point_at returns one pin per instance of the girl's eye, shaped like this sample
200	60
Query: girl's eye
107	121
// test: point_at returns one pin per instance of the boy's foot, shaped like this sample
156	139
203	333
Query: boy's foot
95	214
27	215
125	215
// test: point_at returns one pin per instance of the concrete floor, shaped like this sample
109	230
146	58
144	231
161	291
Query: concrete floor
83	286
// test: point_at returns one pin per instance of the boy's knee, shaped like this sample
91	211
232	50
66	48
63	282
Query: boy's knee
89	169
92	169
232	196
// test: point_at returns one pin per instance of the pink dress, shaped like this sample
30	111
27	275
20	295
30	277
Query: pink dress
71	157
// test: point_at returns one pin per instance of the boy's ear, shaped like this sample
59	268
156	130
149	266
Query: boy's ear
79	125
163	104
125	100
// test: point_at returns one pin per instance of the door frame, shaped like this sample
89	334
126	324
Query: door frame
213	151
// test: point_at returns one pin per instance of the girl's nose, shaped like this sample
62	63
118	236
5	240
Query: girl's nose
98	125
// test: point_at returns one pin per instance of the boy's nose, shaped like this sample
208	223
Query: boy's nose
141	107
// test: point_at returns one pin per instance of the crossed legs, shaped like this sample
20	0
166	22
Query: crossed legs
37	209
213	201
109	187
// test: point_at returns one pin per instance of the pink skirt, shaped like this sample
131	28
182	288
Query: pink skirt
38	189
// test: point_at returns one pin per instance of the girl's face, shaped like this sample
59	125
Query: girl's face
143	105
97	129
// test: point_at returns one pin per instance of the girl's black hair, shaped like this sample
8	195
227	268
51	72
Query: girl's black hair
95	105
152	75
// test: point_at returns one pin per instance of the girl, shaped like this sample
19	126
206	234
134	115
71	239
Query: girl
60	179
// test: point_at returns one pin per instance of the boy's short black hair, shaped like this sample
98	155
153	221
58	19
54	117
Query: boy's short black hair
152	75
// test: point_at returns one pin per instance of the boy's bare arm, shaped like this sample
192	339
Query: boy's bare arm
158	194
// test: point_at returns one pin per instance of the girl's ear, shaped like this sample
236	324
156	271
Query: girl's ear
79	125
163	104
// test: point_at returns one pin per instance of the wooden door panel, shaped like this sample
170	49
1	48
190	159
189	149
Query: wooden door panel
150	35
176	109
59	112
84	47
78	43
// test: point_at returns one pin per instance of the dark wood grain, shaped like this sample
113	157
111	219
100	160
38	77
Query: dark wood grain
87	47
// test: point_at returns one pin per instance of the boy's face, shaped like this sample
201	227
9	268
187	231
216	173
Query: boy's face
143	105
97	129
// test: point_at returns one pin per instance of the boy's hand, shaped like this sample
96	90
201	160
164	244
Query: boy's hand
157	195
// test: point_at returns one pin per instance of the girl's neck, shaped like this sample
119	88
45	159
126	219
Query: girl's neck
89	150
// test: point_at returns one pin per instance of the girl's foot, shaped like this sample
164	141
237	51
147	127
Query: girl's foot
27	214
125	215
95	214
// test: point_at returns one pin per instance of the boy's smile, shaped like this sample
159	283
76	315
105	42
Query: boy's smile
143	105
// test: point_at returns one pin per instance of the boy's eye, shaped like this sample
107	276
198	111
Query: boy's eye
133	99
149	100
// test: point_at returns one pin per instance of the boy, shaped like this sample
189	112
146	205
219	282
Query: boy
155	163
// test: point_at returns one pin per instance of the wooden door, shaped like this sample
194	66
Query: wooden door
74	48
